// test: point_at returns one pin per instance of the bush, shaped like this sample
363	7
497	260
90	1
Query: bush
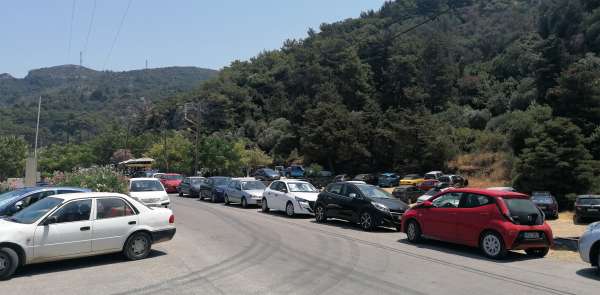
98	179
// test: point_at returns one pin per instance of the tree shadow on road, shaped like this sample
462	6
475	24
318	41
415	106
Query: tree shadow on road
283	215
77	263
466	251
350	225
589	273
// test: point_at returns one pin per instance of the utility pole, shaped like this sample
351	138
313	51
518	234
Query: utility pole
81	58
146	64
37	131
196	124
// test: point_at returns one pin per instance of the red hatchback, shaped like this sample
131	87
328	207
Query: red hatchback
494	221
171	181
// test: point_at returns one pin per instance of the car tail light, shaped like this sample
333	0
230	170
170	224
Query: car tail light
172	219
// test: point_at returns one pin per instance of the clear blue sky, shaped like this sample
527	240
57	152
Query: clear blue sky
201	33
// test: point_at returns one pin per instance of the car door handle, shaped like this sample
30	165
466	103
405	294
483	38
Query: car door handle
85	228
132	222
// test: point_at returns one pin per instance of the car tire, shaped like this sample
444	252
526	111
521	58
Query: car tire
367	221
289	209
320	214
598	263
9	261
244	203
492	245
264	207
413	232
181	194
226	200
538	252
138	246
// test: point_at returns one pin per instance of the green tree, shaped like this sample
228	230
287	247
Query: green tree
178	154
13	151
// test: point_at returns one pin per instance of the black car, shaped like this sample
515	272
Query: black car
266	174
587	207
208	188
546	202
365	204
407	193
191	186
368	178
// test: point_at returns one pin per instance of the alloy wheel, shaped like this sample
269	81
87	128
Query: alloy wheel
411	231
244	203
492	245
320	214
139	245
4	263
289	209
366	221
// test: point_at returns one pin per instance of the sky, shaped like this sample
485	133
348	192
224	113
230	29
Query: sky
211	34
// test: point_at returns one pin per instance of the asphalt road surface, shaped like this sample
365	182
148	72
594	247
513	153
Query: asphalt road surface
230	250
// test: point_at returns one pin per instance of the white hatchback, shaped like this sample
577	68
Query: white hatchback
149	191
77	225
291	196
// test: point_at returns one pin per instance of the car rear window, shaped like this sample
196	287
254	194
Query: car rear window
588	201
543	199
524	211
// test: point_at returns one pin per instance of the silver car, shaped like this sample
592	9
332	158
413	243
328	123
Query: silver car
589	245
246	191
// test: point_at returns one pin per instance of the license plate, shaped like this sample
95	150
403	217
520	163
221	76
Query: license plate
592	210
532	236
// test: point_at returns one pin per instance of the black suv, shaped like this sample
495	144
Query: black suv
587	206
365	204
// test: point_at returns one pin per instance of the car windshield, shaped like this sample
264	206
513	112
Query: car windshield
523	211
588	201
196	180
543	199
371	191
253	185
34	212
301	187
172	177
146	186
220	181
9	197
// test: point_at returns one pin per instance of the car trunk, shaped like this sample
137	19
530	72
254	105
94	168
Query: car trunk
523	211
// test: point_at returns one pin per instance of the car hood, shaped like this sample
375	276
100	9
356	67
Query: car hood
255	193
14	229
148	195
307	196
393	204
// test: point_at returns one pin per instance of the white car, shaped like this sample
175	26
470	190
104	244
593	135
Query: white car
433	175
149	191
589	245
246	191
84	224
430	193
291	196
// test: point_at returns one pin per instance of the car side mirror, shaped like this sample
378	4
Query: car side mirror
18	206
353	195
427	204
51	220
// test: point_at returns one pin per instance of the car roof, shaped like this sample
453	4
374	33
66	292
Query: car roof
434	172
491	193
68	197
171	174
144	178
292	180
388	173
244	179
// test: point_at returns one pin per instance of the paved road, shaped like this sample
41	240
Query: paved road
230	250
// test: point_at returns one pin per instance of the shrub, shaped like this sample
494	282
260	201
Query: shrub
98	179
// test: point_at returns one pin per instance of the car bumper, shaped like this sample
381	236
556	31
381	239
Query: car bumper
164	204
304	207
585	213
393	219
254	201
585	246
163	235
516	238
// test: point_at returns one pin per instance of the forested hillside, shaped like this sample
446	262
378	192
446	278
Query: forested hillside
409	88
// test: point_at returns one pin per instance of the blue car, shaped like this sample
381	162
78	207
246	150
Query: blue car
294	171
389	180
14	201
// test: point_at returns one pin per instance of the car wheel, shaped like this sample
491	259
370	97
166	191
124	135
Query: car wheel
227	200
492	245
289	209
244	203
320	214
366	221
598	263
181	194
138	246
538	252
264	206
413	232
9	261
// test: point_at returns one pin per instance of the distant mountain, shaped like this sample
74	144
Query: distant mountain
80	100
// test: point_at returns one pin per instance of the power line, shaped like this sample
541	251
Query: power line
426	21
89	32
71	31
112	47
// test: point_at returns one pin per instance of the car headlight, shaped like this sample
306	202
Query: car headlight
381	207
301	200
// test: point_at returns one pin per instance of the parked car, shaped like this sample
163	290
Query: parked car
427	184
412	179
291	196
433	175
454	180
245	191
214	188
431	193
368	178
342	178
266	174
407	193
143	174
589	245
388	180
546	202
365	204
14	201
65	226
587	206
191	186
171	181
294	171
494	221
149	191
502	188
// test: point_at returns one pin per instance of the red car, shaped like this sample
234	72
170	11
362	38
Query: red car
171	181
427	184
494	221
